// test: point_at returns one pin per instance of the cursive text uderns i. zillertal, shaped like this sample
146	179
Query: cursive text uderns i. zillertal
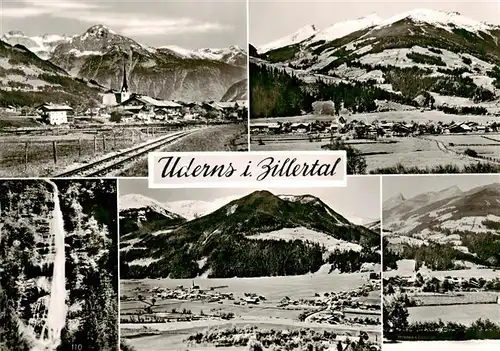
172	169
289	167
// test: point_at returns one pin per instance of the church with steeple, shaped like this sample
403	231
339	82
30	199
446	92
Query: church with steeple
112	97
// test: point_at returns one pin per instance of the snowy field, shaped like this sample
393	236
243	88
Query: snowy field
305	234
463	314
469	345
297	287
407	267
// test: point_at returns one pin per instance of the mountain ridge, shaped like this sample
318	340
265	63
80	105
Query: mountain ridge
259	223
100	54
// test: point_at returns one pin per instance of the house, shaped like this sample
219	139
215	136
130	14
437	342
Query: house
54	114
460	128
300	127
259	128
112	97
9	109
147	107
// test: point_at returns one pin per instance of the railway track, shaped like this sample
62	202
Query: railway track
105	166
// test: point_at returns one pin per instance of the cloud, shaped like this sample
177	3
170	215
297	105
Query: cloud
130	24
61	5
22	12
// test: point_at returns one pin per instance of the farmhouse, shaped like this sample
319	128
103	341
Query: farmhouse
54	114
300	127
460	128
147	108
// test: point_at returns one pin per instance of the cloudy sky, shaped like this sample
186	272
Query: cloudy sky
273	19
189	24
406	185
359	200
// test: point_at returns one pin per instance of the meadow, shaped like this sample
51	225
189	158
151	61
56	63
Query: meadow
463	314
469	345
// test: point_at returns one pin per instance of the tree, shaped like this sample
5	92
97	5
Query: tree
395	316
116	116
356	163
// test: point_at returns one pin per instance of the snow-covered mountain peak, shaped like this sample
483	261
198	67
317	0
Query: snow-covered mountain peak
341	29
98	30
442	19
302	34
138	201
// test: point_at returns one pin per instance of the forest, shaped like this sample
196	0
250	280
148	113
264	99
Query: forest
89	213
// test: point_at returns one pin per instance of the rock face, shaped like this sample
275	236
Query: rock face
166	73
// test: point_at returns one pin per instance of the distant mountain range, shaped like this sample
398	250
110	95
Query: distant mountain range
456	225
445	56
259	234
169	72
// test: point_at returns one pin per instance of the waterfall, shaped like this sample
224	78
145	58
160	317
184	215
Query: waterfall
55	321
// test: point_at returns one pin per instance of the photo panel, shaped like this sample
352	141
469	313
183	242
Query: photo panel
59	265
257	269
403	86
441	259
89	88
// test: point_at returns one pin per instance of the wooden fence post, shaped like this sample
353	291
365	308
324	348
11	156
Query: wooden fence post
54	150
95	144
114	140
26	147
133	136
79	148
104	143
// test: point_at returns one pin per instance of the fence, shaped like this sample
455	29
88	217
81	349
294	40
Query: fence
40	154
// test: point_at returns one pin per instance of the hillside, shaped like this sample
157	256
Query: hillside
27	80
447	228
257	235
27	251
420	53
140	214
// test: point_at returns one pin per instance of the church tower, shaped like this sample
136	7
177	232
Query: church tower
124	93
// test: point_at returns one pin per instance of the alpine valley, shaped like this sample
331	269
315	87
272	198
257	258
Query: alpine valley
257	235
68	66
444	230
421	58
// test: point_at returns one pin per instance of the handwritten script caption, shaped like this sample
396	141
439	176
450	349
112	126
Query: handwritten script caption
249	169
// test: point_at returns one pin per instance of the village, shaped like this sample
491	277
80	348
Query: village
345	307
126	108
359	129
418	283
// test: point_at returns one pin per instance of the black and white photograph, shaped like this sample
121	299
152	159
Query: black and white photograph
250	269
441	262
88	88
58	265
404	87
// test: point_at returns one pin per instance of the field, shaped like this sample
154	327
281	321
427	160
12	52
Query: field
470	345
428	151
406	267
463	314
232	137
49	151
408	151
269	314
